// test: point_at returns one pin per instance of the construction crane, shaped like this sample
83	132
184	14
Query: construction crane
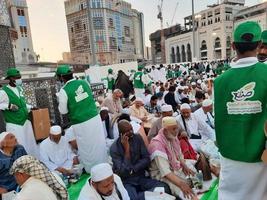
160	17
174	12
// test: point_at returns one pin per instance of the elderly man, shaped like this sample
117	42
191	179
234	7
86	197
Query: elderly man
36	181
113	102
138	110
205	112
130	160
166	111
262	50
240	119
15	111
168	164
10	150
196	128
56	152
103	185
76	100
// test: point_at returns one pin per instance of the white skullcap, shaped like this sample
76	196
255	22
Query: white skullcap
55	130
189	78
168	121
166	108
199	81
180	87
185	106
104	108
207	102
101	172
139	99
3	135
193	83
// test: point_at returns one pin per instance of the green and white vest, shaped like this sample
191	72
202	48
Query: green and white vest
138	80
111	82
81	104
20	116
240	112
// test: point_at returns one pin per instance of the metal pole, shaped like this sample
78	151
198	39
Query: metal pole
193	26
91	33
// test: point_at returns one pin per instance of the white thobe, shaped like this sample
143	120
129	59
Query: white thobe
163	75
89	193
34	189
24	133
208	118
55	155
89	136
241	180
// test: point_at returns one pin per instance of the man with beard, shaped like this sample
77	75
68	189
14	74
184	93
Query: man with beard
262	51
103	185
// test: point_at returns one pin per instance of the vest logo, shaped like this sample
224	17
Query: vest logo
80	94
245	92
241	105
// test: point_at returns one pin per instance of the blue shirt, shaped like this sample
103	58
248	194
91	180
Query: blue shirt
8	181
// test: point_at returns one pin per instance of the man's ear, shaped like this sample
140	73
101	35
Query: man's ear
233	46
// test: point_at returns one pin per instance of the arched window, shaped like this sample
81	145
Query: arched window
183	54
189	53
178	54
172	55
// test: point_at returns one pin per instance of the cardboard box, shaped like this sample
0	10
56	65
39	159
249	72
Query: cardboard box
41	123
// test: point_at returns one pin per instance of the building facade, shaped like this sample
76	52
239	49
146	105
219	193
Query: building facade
118	31
213	34
20	22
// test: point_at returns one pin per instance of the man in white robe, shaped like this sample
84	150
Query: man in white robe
15	112
205	112
103	185
56	152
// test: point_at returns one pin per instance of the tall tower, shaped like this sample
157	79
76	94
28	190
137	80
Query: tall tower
6	55
22	45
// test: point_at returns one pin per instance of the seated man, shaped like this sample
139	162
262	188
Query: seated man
56	153
137	110
36	181
10	150
130	160
113	102
107	125
166	111
168	164
196	128
205	113
152	106
103	184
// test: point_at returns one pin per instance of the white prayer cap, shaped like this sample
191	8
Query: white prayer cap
166	108
189	78
168	121
205	76
207	102
3	135
193	83
139	99
101	172
185	106
104	108
55	130
180	87
199	81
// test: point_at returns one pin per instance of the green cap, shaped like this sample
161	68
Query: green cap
12	72
249	27
110	70
264	37
140	67
63	70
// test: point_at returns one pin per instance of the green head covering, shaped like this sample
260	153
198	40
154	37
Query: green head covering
63	70
110	70
249	27
140	67
12	72
264	37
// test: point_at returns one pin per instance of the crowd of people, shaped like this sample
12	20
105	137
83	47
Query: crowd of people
181	123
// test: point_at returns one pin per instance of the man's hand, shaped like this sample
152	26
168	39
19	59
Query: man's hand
13	107
187	191
126	145
144	119
64	171
3	190
186	170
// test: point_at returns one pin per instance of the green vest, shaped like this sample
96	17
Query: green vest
20	116
81	104
169	74
138	80
111	82
240	112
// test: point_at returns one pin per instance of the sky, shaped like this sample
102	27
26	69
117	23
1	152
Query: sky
49	27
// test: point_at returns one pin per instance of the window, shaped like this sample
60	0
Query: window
110	22
71	29
84	26
20	12
82	6
127	31
98	23
113	44
28	49
24	49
